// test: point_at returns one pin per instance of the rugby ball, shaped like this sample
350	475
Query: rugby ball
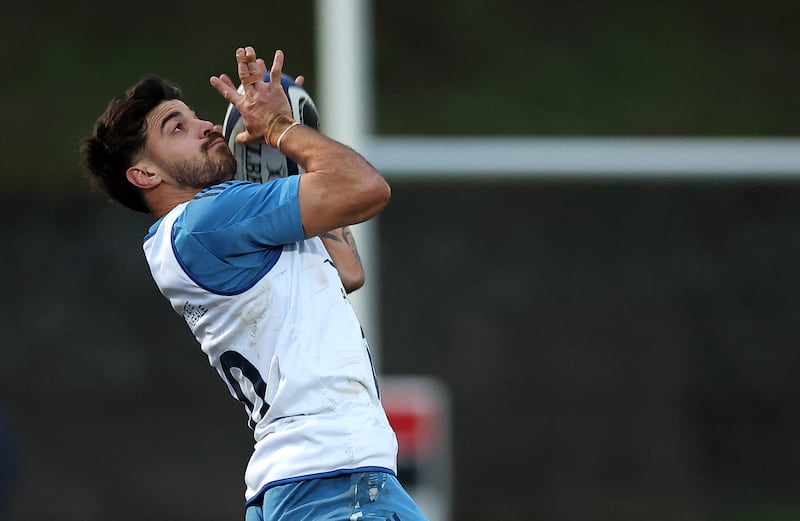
259	162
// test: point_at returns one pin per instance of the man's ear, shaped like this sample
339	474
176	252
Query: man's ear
140	177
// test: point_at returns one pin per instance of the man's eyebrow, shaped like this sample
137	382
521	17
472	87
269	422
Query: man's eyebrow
173	114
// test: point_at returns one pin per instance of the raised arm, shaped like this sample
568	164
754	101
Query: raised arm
339	187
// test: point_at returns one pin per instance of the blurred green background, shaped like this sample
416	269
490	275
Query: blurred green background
614	350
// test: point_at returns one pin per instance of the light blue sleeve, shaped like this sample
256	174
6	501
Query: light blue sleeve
230	235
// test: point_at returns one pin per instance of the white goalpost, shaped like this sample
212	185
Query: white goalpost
461	158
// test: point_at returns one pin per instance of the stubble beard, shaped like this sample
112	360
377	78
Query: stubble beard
217	166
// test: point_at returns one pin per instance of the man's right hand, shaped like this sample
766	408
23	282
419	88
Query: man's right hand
262	102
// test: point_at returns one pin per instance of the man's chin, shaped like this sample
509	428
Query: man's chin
222	178
226	178
227	166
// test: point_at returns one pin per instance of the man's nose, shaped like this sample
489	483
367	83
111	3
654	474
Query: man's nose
209	127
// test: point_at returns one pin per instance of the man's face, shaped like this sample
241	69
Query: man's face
192	152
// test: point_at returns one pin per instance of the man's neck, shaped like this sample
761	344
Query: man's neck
162	203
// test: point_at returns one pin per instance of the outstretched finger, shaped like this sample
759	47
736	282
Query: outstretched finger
276	70
224	85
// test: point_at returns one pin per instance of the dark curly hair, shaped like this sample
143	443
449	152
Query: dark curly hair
119	136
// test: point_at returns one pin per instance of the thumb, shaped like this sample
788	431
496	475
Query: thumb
244	138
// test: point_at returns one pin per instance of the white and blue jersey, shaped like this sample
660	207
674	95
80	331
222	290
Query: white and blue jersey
270	312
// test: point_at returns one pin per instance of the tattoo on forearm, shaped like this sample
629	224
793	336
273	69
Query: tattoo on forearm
332	236
351	241
346	237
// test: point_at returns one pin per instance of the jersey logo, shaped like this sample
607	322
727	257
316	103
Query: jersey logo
192	313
